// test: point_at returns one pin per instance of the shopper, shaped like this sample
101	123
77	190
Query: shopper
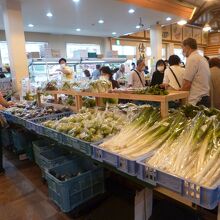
120	73
196	78
173	75
136	78
133	66
158	75
106	73
66	70
96	73
214	64
4	103
87	74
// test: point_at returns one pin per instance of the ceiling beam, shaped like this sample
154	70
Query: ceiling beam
178	9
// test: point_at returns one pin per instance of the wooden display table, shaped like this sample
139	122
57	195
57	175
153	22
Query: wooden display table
162	99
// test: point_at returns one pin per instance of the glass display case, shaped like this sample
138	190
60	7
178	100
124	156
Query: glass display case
43	70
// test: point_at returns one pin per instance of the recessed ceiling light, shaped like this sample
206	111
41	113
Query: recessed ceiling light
75	0
114	33
168	18
78	29
182	22
131	11
49	14
101	21
30	25
138	26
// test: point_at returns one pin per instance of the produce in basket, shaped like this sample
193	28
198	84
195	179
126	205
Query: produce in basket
90	125
195	153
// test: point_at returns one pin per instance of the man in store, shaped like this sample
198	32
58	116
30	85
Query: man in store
196	78
120	75
96	73
66	70
136	78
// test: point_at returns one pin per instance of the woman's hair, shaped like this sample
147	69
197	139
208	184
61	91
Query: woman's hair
87	73
214	62
106	70
62	59
159	63
174	60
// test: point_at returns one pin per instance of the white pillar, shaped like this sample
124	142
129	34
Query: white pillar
170	50
156	42
14	31
107	45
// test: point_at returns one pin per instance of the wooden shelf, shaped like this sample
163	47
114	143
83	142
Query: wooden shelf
162	99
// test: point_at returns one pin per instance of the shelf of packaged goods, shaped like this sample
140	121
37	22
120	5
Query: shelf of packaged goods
162	99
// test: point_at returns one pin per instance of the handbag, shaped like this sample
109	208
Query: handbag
175	77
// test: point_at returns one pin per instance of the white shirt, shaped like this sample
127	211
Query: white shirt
170	79
198	73
135	81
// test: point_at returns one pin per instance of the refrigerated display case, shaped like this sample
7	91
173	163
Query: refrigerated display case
43	70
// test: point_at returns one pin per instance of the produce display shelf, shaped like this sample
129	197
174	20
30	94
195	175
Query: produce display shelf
206	197
118	161
162	99
87	182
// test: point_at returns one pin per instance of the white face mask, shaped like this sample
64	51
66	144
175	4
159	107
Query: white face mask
104	78
160	68
62	65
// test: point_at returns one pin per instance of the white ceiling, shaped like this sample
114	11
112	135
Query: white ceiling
67	16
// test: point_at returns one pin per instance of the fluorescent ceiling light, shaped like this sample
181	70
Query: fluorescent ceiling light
30	25
168	18
75	0
131	11
101	21
78	29
207	28
182	22
49	14
114	33
138	26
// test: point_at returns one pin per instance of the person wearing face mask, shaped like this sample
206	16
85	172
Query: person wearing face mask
65	70
158	75
137	78
106	74
196	78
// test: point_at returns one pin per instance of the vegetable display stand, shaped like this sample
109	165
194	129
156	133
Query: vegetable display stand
74	183
207	197
162	99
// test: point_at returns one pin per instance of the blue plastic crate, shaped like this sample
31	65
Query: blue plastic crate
120	162
80	145
40	146
71	193
20	141
206	197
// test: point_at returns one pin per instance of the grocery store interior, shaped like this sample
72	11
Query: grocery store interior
110	109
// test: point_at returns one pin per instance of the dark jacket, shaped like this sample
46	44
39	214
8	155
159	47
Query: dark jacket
157	78
114	84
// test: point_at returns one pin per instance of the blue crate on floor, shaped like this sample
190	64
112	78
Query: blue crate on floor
80	145
41	146
20	140
6	139
207	197
77	190
51	158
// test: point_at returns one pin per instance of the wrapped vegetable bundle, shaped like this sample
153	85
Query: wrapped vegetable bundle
195	153
90	125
